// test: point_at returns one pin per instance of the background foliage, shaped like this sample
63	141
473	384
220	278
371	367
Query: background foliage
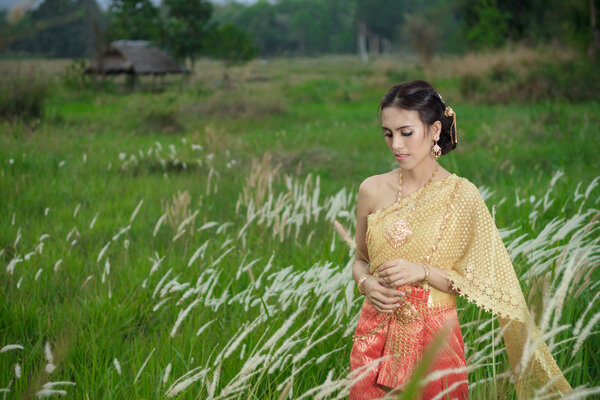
304	27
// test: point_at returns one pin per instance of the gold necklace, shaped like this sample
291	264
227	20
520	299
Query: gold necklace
398	232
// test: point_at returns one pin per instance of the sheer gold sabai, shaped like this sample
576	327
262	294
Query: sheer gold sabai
471	251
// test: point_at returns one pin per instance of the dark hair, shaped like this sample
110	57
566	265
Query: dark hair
422	97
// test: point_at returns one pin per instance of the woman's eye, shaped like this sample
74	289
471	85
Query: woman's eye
387	134
406	133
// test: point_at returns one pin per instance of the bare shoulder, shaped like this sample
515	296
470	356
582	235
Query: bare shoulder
377	189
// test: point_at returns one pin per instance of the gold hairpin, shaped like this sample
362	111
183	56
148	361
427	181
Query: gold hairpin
449	112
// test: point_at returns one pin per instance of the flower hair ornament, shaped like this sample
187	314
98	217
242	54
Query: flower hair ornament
436	151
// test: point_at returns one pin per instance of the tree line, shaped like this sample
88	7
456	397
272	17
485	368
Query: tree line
79	28
427	26
236	31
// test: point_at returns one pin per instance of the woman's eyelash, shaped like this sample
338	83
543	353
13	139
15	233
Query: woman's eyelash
388	134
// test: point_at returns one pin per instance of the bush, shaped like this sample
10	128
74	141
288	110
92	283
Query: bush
574	80
75	79
22	98
162	120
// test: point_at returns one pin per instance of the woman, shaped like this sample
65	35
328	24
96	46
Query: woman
424	235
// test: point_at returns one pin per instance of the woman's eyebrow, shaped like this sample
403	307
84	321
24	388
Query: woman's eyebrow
401	127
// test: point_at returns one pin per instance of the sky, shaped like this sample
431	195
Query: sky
104	3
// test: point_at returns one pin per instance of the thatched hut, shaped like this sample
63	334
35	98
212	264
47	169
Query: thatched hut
134	57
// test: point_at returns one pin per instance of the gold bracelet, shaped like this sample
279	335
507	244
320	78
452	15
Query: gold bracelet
360	281
426	268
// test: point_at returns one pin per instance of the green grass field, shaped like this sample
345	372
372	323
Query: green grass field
181	243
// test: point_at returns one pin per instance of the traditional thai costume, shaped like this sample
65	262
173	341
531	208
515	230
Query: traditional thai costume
452	229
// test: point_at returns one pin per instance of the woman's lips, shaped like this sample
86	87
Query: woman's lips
401	157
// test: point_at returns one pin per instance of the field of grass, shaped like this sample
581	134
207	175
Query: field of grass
179	242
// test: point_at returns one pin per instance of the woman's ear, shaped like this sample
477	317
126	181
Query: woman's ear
435	130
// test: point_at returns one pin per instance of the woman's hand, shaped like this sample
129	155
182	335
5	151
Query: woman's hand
382	296
400	272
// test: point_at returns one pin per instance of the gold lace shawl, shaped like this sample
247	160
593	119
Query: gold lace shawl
471	251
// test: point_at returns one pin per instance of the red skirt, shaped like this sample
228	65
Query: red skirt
388	346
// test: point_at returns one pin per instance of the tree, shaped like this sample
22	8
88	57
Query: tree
232	45
57	28
379	22
422	36
187	27
487	24
135	20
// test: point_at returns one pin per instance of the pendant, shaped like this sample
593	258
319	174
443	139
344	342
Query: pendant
398	233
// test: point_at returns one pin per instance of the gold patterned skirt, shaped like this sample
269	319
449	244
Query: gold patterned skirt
388	346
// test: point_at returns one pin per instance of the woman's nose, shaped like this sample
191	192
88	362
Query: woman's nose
397	143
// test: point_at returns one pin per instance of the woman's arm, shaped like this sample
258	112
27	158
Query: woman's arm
363	208
383	297
438	278
401	272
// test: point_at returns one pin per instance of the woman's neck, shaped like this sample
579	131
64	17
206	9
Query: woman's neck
419	175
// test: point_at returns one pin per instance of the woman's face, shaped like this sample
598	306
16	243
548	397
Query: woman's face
407	137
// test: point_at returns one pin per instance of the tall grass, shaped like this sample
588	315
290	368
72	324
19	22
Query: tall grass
287	326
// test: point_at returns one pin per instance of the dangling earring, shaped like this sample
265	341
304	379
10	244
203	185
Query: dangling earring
436	151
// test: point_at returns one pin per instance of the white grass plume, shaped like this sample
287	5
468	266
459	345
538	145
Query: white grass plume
10	268
48	353
178	235
137	209
51	385
203	327
579	323
94	221
156	261
212	386
121	232
186	221
158	305
102	251
57	265
185	381
182	315
17	238
117	366
50	392
143	365
160	283
208	225
234	343
218	260
159	224
10	347
586	331
166	374
197	253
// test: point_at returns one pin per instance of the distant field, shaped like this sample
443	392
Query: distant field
187	228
